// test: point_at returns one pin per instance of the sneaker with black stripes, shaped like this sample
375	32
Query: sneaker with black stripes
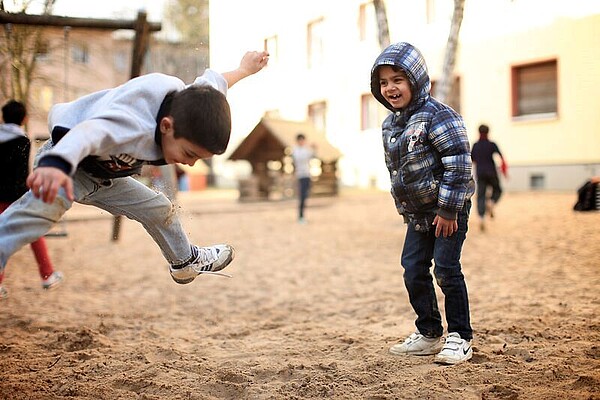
207	260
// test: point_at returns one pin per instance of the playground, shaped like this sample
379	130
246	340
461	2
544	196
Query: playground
311	309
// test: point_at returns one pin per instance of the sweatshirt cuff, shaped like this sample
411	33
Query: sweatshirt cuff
55	162
447	214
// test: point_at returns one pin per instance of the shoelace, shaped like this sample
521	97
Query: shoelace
218	273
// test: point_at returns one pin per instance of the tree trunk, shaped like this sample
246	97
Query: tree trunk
444	86
382	24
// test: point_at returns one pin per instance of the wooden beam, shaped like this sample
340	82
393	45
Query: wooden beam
90	23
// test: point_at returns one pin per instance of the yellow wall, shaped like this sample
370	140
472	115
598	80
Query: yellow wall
574	135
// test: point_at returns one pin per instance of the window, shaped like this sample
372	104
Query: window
315	43
317	114
453	99
535	89
271	45
121	61
430	11
537	181
367	22
80	54
42	51
46	98
372	113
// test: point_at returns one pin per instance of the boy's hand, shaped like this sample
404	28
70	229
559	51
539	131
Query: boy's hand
444	226
252	62
45	182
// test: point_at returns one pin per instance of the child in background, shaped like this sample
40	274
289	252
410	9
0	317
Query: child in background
428	158
15	148
301	155
486	174
98	141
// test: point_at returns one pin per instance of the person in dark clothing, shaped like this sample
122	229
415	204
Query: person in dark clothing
486	174
15	149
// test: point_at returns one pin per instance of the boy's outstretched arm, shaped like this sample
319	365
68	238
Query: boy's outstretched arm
252	62
45	183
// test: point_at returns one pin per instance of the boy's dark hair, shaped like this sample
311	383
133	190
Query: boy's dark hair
14	112
201	115
484	129
300	136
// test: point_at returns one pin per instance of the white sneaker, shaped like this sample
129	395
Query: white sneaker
418	345
456	350
53	281
209	260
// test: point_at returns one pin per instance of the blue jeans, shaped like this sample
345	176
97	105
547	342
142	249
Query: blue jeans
420	248
482	187
304	189
29	218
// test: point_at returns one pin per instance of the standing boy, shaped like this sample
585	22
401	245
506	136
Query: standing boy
302	154
100	140
486	174
15	149
427	155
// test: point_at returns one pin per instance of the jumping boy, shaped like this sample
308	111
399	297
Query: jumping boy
100	140
428	158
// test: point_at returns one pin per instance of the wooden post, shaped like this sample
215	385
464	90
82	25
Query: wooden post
140	47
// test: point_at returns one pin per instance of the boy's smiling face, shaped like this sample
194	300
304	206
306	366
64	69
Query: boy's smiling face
394	86
179	150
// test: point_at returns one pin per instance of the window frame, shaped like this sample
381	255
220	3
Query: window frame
80	53
367	21
372	113
517	113
318	111
315	42
271	44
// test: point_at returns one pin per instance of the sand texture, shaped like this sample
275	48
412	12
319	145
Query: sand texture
311	309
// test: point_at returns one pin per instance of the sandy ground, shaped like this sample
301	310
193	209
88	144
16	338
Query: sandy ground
310	312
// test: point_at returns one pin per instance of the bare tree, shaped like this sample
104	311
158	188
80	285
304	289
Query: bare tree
190	17
19	49
444	86
382	23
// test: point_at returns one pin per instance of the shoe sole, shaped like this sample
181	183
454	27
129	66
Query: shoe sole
413	353
449	361
425	352
189	280
54	284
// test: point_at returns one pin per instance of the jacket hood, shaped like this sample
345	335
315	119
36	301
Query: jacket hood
408	58
10	131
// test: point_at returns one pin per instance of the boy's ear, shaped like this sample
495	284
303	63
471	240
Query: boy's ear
167	126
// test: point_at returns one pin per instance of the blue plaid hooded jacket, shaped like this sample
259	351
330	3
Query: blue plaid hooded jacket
427	150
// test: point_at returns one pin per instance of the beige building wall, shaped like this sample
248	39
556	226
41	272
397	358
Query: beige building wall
563	149
557	152
78	63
